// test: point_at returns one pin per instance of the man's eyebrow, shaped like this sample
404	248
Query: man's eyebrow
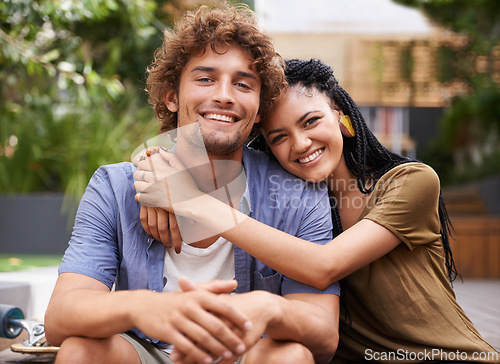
247	75
213	69
299	120
203	68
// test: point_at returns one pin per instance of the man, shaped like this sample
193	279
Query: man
219	64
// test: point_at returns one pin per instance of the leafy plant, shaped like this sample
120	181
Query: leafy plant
470	127
71	80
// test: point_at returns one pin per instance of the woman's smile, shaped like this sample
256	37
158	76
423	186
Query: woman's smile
313	157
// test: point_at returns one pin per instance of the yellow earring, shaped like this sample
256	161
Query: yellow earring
346	126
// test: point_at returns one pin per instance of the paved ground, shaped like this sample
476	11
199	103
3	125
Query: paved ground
480	299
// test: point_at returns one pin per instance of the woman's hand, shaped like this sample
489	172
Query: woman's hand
162	181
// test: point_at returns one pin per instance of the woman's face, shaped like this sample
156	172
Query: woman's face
304	135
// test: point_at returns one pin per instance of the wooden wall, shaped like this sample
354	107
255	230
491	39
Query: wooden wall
476	249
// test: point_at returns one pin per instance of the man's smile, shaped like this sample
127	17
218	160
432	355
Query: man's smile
219	117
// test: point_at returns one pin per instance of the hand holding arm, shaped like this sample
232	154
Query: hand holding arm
162	181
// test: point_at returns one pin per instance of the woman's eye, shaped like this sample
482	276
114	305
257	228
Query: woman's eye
277	138
311	121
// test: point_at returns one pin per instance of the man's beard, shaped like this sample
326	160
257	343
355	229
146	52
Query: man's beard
223	148
216	146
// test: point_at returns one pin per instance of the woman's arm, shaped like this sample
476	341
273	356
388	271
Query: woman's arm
306	262
309	263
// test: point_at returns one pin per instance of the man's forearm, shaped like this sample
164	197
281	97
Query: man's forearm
89	313
295	318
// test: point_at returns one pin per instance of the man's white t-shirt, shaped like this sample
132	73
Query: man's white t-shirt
198	264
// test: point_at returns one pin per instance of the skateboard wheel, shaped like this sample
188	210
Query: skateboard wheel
7	313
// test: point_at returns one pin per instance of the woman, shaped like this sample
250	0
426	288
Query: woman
393	256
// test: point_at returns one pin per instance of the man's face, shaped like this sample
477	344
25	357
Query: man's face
221	92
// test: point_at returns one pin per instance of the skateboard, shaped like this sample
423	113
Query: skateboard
12	323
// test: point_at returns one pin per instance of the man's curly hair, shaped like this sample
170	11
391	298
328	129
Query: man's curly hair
215	25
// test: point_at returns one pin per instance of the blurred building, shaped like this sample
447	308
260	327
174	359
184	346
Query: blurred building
382	53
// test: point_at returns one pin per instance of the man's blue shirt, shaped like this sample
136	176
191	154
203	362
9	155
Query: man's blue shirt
109	244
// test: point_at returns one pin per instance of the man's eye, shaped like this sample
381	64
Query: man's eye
243	85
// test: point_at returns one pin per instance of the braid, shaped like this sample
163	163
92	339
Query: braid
365	157
446	228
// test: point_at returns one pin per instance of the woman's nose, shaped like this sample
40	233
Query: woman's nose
301	143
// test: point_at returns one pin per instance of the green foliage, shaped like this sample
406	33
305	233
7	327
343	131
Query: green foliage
470	127
407	63
470	116
472	17
71	88
439	157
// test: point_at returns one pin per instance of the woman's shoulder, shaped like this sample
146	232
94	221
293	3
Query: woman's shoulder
414	185
412	167
412	172
411	183
405	201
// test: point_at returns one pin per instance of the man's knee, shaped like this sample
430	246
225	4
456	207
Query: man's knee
86	350
271	351
73	350
296	353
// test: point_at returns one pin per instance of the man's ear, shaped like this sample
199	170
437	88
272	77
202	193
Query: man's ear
171	101
257	119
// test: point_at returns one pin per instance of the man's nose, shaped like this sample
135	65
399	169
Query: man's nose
224	93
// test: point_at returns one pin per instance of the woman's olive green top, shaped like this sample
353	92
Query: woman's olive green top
402	307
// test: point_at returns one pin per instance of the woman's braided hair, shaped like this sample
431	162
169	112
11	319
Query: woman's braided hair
365	157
